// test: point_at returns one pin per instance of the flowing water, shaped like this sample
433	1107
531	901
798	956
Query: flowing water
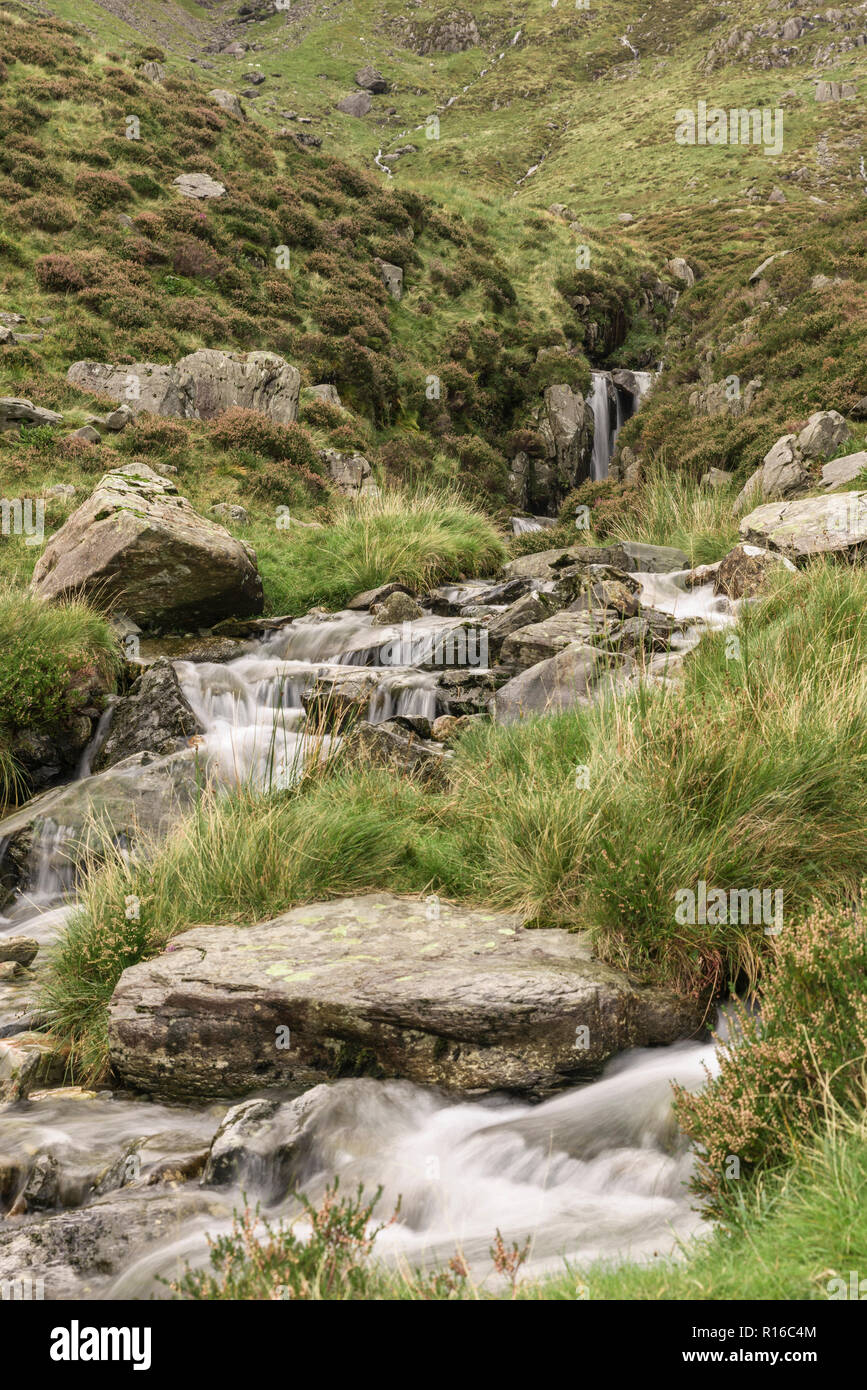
599	1171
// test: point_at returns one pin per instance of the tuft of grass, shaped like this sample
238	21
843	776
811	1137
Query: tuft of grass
50	656
671	508
419	539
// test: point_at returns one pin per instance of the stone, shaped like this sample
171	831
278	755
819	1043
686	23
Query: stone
631	557
765	265
117	420
27	1061
835	91
538	641
681	270
859	409
823	433
199	186
844	470
136	542
65	491
743	572
835	524
391	276
371	79
15	411
363	602
323	391
439	995
336	701
781	474
87	433
561	682
395	744
448	727
397	608
348	472
21	949
152	72
531	608
777	195
356	104
626	218
155	717
449	32
230	511
565	428
257	1144
717	399
716	478
200	386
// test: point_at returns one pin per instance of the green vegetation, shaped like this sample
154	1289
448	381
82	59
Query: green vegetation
419	540
751	772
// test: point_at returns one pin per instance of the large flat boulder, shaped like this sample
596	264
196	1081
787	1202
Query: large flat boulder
835	524
539	641
382	985
198	387
138	544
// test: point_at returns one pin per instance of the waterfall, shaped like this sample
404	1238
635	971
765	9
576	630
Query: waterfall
603	443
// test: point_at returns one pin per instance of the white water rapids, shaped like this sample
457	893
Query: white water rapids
597	1173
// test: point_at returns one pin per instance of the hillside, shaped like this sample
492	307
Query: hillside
433	515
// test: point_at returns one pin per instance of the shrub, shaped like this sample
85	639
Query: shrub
152	434
792	1065
47	213
59	272
250	429
101	190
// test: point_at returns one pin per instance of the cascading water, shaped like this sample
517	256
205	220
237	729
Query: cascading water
597	1172
602	442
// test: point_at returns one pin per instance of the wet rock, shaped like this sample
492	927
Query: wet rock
532	608
555	684
141	795
26	1062
469	691
381	985
835	524
365	601
155	717
335	702
539	641
258	1144
137	541
22	949
397	608
631	557
745	570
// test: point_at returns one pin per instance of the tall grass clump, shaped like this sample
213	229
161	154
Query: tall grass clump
418	539
52	657
671	508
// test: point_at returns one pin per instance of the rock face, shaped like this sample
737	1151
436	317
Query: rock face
451	32
834	524
351	474
384	985
136	543
155	717
199	386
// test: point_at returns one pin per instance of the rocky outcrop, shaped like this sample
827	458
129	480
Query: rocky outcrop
382	985
783	472
137	544
199	386
155	717
835	524
199	186
450	32
371	79
391	276
351	474
718	399
228	101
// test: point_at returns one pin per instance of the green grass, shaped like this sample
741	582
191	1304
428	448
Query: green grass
670	508
50	657
420	540
751	773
